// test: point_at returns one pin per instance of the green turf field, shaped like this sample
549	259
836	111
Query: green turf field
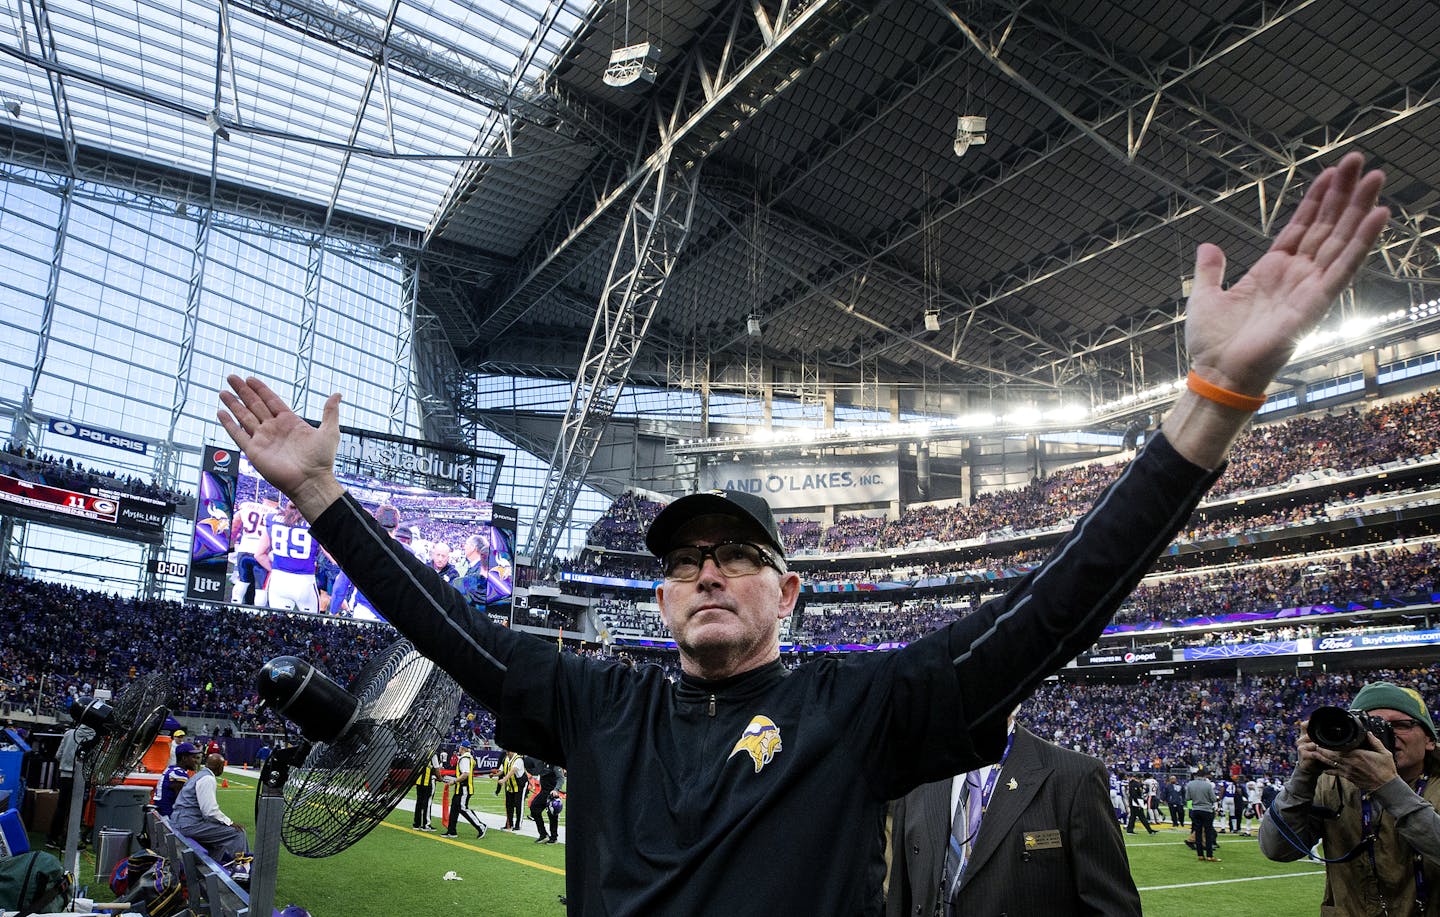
395	870
1174	883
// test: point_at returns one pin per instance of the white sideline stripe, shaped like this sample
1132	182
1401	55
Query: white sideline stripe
1283	875
1148	843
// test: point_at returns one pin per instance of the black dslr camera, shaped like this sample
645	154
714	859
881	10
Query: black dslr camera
1339	729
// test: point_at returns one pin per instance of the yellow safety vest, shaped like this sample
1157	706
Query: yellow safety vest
466	782
512	782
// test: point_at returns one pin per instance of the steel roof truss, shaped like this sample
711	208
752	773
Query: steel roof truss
656	225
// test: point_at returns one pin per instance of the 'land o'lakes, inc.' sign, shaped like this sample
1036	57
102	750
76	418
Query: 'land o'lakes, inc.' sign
822	482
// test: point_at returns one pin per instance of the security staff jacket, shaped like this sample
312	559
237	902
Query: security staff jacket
765	793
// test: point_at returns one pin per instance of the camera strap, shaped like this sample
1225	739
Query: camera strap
1422	891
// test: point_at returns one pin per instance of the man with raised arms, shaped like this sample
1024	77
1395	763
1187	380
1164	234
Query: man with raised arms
764	789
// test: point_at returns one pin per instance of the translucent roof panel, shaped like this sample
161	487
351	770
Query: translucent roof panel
140	76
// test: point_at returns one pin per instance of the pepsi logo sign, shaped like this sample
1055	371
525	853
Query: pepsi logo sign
221	458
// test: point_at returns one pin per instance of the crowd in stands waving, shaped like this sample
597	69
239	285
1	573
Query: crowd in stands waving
623	526
871	624
1393	573
58	642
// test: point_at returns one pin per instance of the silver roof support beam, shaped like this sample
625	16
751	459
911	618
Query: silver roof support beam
655	229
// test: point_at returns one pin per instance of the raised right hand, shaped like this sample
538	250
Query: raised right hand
292	455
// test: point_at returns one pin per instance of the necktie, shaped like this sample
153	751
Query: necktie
964	825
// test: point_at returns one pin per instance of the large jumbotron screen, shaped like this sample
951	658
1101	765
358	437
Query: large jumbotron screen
47	493
248	548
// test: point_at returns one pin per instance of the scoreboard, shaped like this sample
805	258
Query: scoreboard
97	510
54	499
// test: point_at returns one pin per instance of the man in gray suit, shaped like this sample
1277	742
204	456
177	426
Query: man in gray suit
1047	845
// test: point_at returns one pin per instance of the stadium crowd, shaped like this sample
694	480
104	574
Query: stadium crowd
871	624
71	639
1174	724
1394	576
1364	577
623	526
59	642
1266	457
614	616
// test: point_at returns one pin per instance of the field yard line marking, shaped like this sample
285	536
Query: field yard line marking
1283	875
502	856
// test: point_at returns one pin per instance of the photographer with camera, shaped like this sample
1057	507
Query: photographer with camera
1366	783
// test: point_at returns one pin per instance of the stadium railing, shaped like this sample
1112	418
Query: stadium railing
211	890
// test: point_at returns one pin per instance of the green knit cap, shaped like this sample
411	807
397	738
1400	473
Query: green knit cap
1380	695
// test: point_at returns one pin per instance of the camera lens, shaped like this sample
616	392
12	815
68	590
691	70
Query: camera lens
1336	729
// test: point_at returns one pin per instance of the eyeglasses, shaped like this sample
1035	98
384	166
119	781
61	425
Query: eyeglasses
1404	725
734	558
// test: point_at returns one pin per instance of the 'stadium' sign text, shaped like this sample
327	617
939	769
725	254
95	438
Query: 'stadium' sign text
379	455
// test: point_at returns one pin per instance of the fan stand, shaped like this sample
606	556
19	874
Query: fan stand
71	862
269	815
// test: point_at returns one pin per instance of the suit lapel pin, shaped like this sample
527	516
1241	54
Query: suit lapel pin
1012	785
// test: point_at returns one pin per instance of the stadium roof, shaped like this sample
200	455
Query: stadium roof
321	102
830	206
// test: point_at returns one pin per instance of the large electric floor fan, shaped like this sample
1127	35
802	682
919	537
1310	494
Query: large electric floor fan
363	747
124	729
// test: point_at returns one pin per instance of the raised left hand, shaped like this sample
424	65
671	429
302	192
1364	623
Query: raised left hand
1239	338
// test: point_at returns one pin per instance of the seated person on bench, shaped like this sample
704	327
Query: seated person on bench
197	815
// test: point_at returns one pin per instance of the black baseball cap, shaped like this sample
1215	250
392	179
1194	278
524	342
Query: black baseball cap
748	508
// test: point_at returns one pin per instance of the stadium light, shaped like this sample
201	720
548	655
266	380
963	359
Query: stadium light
217	127
1353	331
969	131
1070	413
1422	310
634	67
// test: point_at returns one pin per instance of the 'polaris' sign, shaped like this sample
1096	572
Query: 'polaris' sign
99	436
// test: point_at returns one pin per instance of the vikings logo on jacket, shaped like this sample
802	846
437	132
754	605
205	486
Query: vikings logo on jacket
760	740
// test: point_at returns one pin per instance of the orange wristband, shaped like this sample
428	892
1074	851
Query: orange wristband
1212	392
